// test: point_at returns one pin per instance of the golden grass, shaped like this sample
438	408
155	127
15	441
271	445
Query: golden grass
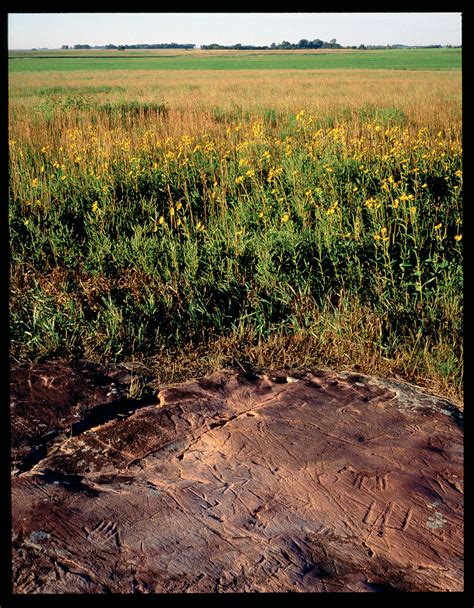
426	97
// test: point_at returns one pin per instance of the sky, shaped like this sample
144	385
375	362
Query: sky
52	30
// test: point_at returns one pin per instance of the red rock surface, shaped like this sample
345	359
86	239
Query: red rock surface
242	482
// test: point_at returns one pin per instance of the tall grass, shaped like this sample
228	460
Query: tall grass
426	97
260	235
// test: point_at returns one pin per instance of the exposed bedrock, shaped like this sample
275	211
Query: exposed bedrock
284	481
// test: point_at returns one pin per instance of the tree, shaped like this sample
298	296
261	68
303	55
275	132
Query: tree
303	44
65	47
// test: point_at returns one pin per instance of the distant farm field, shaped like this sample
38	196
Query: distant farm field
392	59
195	217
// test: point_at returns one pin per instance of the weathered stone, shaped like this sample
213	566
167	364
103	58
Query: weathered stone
49	400
249	482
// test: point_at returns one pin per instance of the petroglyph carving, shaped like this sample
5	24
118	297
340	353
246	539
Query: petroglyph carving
234	483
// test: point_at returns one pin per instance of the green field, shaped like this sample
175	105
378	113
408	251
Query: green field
394	59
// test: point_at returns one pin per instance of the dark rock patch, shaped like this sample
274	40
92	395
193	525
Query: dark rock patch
49	401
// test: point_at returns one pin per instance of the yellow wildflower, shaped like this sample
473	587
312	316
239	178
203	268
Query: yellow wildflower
257	129
274	171
95	207
285	217
161	220
438	226
458	237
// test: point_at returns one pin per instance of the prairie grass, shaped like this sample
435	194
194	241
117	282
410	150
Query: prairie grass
424	96
254	218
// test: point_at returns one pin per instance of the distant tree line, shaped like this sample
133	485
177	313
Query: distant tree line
285	45
164	45
123	47
377	47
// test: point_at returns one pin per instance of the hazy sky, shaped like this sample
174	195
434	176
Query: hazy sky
52	30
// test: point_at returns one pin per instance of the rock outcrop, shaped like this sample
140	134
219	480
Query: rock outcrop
307	482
